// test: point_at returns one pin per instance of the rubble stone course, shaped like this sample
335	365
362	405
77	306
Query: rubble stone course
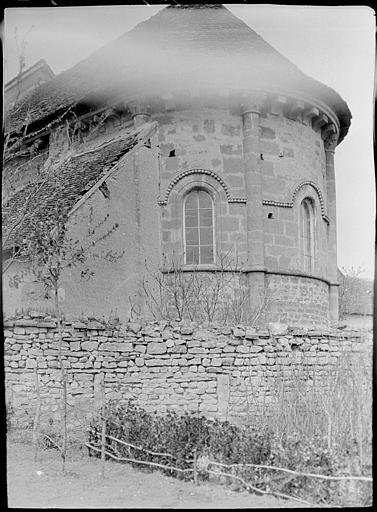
163	366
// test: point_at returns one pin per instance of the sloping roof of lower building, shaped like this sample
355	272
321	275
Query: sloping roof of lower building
62	187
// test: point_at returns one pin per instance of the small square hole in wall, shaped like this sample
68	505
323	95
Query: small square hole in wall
270	215
172	153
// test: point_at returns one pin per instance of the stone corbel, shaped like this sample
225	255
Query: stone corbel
295	110
320	121
309	114
279	105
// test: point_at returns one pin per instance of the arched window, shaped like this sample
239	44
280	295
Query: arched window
199	228
307	233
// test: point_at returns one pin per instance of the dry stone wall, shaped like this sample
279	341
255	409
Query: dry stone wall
219	371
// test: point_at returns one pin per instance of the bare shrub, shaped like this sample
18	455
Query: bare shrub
220	294
325	411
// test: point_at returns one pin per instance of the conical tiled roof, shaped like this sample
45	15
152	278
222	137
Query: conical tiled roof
179	47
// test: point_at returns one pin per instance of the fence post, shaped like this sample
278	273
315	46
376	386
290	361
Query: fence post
37	413
195	467
103	431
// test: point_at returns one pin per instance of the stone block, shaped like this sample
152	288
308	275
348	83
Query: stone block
255	348
95	326
201	335
193	343
134	327
79	325
251	333
166	335
89	345
156	348
179	349
197	350
211	344
32	330
214	369
116	347
186	331
242	349
277	328
261	342
227	361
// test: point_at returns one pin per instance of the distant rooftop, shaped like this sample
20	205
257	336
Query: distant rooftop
41	64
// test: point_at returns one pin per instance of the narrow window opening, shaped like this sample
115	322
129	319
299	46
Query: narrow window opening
307	234
199	228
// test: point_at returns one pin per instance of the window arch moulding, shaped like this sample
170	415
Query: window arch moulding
290	204
205	172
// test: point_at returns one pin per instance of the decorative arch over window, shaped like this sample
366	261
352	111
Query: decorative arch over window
290	203
204	172
307	233
199	232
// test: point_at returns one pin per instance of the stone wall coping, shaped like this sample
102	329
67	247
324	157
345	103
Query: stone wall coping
155	329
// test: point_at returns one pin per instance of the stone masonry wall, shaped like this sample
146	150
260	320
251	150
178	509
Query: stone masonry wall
218	371
297	300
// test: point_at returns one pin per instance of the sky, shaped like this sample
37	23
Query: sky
335	45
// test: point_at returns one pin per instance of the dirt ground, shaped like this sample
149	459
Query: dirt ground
41	484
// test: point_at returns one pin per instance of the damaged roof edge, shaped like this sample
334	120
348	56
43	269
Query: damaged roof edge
73	181
144	131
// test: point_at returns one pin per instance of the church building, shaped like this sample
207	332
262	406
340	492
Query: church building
194	153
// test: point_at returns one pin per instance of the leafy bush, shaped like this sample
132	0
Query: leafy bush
181	435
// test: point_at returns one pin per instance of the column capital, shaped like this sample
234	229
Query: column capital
330	138
252	103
